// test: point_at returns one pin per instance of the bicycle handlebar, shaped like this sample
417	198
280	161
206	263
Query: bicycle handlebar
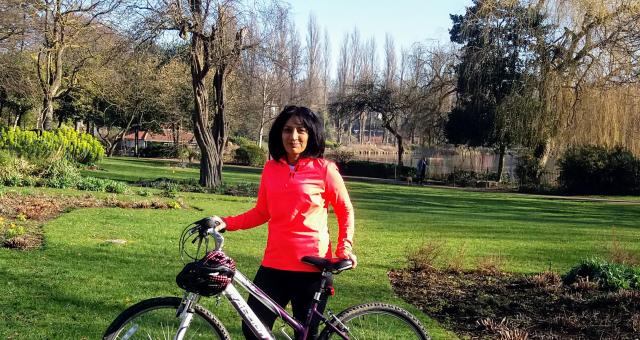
207	226
200	231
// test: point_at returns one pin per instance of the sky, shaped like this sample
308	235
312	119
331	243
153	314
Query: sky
408	21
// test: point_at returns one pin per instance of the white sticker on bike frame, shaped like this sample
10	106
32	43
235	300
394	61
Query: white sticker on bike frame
250	318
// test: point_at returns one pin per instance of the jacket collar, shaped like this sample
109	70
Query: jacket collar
302	161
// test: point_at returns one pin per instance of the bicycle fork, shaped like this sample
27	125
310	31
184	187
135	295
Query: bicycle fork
185	313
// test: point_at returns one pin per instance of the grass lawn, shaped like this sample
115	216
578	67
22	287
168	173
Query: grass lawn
76	284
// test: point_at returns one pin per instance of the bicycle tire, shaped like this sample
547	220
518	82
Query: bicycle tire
157	318
376	320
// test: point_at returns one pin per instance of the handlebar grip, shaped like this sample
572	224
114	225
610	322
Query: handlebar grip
207	226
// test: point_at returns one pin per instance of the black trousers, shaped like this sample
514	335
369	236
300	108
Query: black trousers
285	286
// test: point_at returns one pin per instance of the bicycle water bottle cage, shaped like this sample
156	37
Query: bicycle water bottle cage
334	265
208	276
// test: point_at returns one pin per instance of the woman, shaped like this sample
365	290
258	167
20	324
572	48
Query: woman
296	188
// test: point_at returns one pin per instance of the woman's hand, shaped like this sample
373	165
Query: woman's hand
350	256
220	224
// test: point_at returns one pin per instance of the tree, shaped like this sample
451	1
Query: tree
588	68
65	25
18	87
215	31
124	94
380	99
497	37
263	84
429	85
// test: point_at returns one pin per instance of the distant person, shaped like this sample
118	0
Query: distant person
422	169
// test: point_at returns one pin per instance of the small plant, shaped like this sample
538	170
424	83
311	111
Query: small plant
174	205
456	263
618	254
144	193
424	258
92	184
14	230
585	284
528	172
171	190
610	276
492	264
116	187
59	173
21	217
547	280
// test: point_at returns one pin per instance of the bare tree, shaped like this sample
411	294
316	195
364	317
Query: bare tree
63	25
314	58
592	48
215	30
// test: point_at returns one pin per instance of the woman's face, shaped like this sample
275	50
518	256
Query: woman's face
294	138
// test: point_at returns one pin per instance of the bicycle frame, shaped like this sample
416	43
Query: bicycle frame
249	316
237	301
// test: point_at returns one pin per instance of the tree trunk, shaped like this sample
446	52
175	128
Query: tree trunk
362	123
398	142
111	148
136	141
370	125
400	149
50	76
19	115
210	160
503	150
544	153
47	112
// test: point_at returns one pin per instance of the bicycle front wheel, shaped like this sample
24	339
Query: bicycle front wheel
376	321
156	319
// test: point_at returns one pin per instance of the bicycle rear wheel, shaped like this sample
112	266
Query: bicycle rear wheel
376	321
156	319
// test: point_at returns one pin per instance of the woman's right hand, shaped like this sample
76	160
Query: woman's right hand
220	224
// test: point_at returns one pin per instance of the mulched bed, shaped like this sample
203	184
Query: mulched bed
30	211
496	305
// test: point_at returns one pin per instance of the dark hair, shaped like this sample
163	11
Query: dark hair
310	120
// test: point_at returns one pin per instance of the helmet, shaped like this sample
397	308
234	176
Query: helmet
209	275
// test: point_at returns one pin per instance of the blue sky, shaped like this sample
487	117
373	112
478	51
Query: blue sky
407	21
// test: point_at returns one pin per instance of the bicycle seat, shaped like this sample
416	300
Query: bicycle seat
334	265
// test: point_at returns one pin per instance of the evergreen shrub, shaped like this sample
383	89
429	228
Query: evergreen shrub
250	154
598	170
75	146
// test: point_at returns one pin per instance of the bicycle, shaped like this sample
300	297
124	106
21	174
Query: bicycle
183	318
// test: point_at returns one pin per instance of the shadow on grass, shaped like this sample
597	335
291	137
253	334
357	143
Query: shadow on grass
495	209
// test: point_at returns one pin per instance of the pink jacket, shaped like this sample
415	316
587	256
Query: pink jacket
295	203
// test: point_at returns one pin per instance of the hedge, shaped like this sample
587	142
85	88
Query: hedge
375	170
599	170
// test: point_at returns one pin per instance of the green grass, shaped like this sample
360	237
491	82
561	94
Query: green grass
78	283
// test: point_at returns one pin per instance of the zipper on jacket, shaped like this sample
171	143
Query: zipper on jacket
293	173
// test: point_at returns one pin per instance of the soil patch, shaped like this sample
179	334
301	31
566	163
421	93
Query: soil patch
495	305
22	215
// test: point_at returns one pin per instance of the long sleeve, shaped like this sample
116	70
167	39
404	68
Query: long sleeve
255	216
338	197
